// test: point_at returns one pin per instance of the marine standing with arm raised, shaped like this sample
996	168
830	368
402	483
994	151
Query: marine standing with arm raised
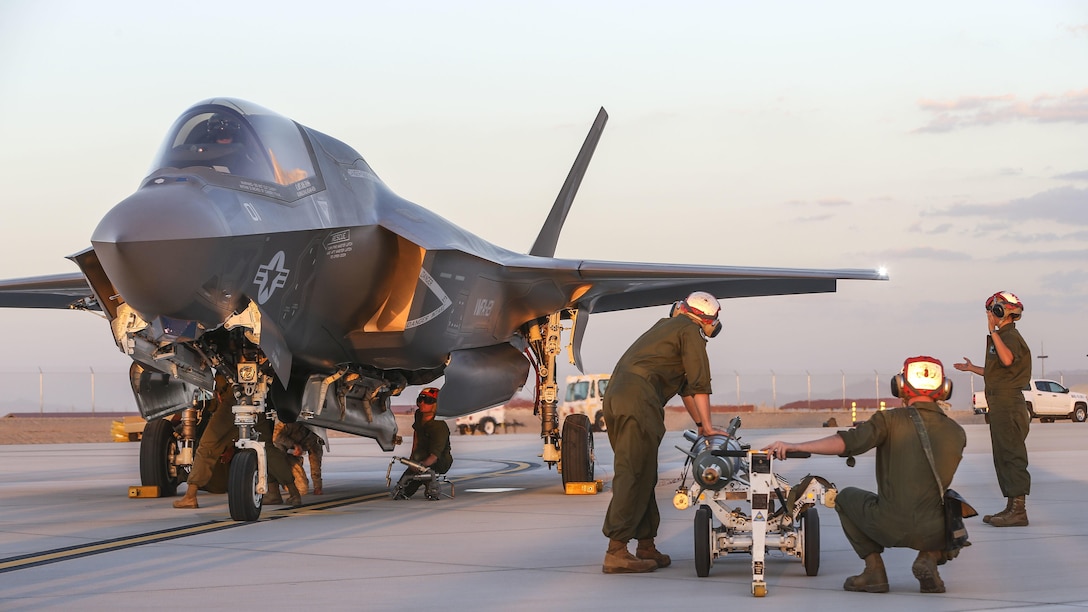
669	359
1006	373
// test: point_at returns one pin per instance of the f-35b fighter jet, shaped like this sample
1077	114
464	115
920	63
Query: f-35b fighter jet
272	254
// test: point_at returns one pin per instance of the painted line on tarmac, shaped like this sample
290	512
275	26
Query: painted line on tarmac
104	546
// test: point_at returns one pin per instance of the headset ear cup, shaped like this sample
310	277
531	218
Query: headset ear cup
897	385
717	329
674	309
998	310
946	390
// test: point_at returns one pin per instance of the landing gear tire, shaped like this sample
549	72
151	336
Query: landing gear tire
487	426
810	541
702	541
242	496
576	452
598	421
158	448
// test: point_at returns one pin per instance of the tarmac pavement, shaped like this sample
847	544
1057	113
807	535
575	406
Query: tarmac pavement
70	537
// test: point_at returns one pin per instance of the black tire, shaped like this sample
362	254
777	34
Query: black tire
576	450
1031	412
598	421
1080	413
702	541
242	497
158	448
487	426
810	541
462	429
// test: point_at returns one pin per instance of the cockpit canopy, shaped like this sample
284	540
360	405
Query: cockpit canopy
244	141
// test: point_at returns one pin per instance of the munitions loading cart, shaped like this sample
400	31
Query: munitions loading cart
725	472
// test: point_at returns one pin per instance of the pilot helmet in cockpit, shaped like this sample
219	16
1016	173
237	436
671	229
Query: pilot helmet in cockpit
223	128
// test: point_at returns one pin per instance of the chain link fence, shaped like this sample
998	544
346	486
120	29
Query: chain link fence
43	390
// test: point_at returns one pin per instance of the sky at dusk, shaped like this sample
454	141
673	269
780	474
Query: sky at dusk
947	142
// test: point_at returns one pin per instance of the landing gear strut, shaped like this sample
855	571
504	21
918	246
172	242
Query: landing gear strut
248	480
572	449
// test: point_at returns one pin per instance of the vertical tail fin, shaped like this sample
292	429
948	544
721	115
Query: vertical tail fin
548	238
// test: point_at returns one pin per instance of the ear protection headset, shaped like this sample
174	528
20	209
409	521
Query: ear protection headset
682	307
997	302
922	376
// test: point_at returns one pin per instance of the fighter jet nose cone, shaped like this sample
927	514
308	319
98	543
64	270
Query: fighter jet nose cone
162	212
158	246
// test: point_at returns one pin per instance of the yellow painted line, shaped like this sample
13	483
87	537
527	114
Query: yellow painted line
83	550
74	552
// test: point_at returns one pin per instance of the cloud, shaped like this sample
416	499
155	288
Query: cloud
1063	255
970	111
1077	30
943	228
1074	176
1069	281
1068	205
944	255
820	216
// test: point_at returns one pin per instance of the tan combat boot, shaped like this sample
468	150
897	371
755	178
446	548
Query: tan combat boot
619	560
873	579
925	570
1008	508
1017	516
188	500
647	550
273	497
294	498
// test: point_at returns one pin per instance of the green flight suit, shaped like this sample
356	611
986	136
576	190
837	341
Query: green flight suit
218	436
906	510
431	438
1009	416
669	359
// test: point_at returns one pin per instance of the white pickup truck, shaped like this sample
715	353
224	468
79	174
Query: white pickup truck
1047	400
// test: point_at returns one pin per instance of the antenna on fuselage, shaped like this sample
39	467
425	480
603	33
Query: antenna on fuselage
548	238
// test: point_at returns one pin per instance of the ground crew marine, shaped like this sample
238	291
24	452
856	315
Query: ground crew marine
669	359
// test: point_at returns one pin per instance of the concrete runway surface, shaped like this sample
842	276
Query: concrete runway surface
70	537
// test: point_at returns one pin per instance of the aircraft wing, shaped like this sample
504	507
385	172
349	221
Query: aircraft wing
51	291
616	286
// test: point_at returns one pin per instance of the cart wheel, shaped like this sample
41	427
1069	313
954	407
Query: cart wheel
759	589
810	541
702	541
